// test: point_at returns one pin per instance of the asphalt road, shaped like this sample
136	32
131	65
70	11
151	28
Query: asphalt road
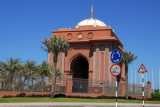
51	104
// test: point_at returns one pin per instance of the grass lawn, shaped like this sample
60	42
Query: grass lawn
47	99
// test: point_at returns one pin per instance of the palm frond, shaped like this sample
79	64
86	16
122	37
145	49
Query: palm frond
56	45
128	57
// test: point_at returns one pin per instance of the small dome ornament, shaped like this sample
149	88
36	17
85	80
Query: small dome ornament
91	21
92	12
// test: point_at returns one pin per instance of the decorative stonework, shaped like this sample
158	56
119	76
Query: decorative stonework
69	36
79	36
90	35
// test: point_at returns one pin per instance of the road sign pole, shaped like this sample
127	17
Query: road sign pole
143	87
116	91
142	69
115	69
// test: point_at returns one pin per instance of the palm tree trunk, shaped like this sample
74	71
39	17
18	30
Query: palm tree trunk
54	78
24	83
20	83
42	82
10	82
32	84
14	80
6	85
126	82
2	85
28	83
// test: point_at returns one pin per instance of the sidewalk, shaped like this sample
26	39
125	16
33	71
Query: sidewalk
51	104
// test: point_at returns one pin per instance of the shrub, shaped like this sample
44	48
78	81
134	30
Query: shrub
21	95
46	95
110	97
7	96
59	95
100	97
156	95
78	96
39	95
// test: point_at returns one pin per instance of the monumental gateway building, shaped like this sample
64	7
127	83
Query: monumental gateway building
86	68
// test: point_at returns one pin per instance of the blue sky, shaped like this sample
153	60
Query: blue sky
24	24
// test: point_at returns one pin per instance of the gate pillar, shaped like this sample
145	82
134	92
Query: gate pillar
149	89
69	82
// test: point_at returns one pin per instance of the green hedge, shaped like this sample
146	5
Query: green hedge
156	95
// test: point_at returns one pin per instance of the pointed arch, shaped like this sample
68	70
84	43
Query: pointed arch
76	56
79	66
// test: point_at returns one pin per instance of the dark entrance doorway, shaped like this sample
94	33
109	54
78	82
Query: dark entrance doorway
79	67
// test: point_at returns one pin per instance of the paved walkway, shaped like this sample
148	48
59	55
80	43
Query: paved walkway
51	104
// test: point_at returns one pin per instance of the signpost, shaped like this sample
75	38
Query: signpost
142	70
115	69
116	56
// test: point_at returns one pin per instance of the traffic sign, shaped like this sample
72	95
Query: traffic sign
116	56
115	70
142	69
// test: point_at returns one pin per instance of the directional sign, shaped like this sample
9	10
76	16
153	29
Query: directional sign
116	56
115	69
142	69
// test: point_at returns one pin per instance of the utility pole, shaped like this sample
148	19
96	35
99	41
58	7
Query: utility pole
159	80
131	80
146	77
135	80
135	77
152	81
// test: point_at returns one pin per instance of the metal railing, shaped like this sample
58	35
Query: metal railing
76	85
134	89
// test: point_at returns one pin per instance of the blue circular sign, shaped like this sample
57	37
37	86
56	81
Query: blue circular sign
116	56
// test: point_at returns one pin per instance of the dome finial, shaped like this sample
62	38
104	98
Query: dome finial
92	12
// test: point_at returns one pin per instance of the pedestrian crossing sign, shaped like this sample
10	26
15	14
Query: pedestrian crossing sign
142	69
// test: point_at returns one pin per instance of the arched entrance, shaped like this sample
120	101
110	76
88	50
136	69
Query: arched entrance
79	67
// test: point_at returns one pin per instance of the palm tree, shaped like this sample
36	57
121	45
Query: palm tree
44	70
30	68
55	45
4	79
20	75
4	76
12	67
127	58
